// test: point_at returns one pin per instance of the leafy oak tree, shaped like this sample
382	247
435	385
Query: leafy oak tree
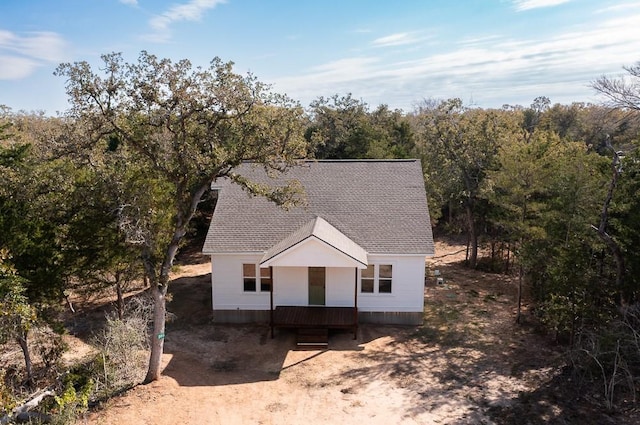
517	191
344	127
463	145
180	128
33	216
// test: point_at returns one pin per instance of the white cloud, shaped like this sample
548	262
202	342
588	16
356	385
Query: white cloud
479	40
492	70
21	55
535	4
344	69
16	68
129	2
619	7
398	39
190	11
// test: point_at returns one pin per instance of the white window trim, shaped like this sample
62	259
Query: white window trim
372	279
258	278
377	275
242	277
376	280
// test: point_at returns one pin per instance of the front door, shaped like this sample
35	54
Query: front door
317	285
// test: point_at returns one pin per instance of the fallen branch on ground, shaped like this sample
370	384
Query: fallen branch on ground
449	254
33	401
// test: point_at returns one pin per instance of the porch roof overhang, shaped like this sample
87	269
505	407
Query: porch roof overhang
316	244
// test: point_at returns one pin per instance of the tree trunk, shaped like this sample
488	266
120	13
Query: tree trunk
473	237
519	308
506	266
523	219
613	246
466	253
160	281
24	345
120	300
157	337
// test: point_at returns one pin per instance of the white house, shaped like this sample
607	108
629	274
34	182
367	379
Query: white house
354	253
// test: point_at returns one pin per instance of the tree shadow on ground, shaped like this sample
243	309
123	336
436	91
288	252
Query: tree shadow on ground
189	301
223	354
212	355
458	378
467	358
471	364
560	400
205	353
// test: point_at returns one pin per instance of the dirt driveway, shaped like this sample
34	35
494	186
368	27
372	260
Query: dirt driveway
467	364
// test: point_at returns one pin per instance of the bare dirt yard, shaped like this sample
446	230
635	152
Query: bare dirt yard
468	364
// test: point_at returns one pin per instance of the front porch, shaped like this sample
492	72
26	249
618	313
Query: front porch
314	317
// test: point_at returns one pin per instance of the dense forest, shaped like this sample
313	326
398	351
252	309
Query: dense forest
107	193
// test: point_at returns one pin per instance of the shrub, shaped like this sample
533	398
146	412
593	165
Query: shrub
123	345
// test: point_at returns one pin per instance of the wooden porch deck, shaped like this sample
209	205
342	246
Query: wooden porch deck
315	317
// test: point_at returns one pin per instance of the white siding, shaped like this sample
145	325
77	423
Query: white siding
340	282
291	285
407	287
227	285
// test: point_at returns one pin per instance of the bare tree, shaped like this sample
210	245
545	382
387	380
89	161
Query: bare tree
622	92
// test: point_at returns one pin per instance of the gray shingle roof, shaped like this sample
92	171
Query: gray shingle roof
380	205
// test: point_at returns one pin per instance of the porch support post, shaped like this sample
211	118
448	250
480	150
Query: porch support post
273	282
355	306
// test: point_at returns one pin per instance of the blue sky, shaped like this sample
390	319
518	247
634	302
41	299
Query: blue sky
486	52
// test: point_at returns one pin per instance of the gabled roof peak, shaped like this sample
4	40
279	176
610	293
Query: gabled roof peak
323	231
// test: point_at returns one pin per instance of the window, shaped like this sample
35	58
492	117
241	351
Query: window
253	282
376	278
249	277
384	281
265	279
366	279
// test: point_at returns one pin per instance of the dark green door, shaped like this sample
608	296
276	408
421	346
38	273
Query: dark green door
317	285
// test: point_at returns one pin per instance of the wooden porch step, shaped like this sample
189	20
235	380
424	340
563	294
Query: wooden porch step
313	337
